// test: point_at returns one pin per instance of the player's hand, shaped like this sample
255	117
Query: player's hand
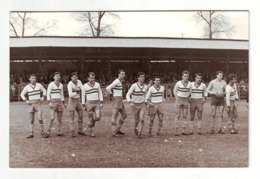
83	105
42	99
28	102
101	105
131	104
204	100
189	100
151	104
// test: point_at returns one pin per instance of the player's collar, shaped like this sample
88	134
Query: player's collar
184	83
91	85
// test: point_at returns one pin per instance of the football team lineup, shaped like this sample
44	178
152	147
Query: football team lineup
189	97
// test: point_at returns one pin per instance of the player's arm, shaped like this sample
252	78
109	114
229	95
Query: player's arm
100	94
236	95
70	91
83	96
205	93
145	99
210	88
148	97
228	97
23	93
43	90
49	89
129	93
111	86
175	89
163	98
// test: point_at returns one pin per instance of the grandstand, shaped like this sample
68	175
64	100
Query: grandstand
166	56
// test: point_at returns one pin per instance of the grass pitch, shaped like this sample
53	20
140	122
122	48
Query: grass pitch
104	151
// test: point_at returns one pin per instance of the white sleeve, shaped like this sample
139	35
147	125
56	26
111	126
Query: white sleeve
129	93
175	89
236	92
148	95
23	93
71	94
112	85
210	88
43	90
227	96
83	95
62	93
205	91
100	93
49	89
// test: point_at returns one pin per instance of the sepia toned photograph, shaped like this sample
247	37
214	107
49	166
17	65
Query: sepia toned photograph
129	89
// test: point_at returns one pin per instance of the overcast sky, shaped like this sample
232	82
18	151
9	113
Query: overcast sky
147	24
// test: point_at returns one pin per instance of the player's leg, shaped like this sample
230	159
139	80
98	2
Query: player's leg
141	121
200	122
184	120
177	119
31	126
233	117
220	120
191	122
121	120
213	116
90	122
160	123
40	119
51	121
59	116
72	123
136	111
80	119
152	117
113	121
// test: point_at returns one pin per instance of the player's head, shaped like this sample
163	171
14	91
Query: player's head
91	77
141	77
74	76
157	80
32	78
219	75
121	74
232	78
56	76
198	77
185	75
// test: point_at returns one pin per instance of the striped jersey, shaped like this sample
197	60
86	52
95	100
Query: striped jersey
117	88
156	95
91	92
137	93
34	92
55	91
199	91
71	86
181	89
231	93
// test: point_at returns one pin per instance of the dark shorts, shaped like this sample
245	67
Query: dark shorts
118	103
215	101
156	108
196	104
182	102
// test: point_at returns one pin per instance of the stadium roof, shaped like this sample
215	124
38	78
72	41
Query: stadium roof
129	42
127	48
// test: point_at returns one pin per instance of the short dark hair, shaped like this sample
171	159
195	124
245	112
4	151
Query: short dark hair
185	72
119	71
218	72
73	74
156	76
231	77
56	73
91	74
140	74
32	74
198	74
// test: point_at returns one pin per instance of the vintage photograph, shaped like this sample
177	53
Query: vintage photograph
129	89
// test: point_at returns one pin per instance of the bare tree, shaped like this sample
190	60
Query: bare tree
22	22
216	24
95	25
